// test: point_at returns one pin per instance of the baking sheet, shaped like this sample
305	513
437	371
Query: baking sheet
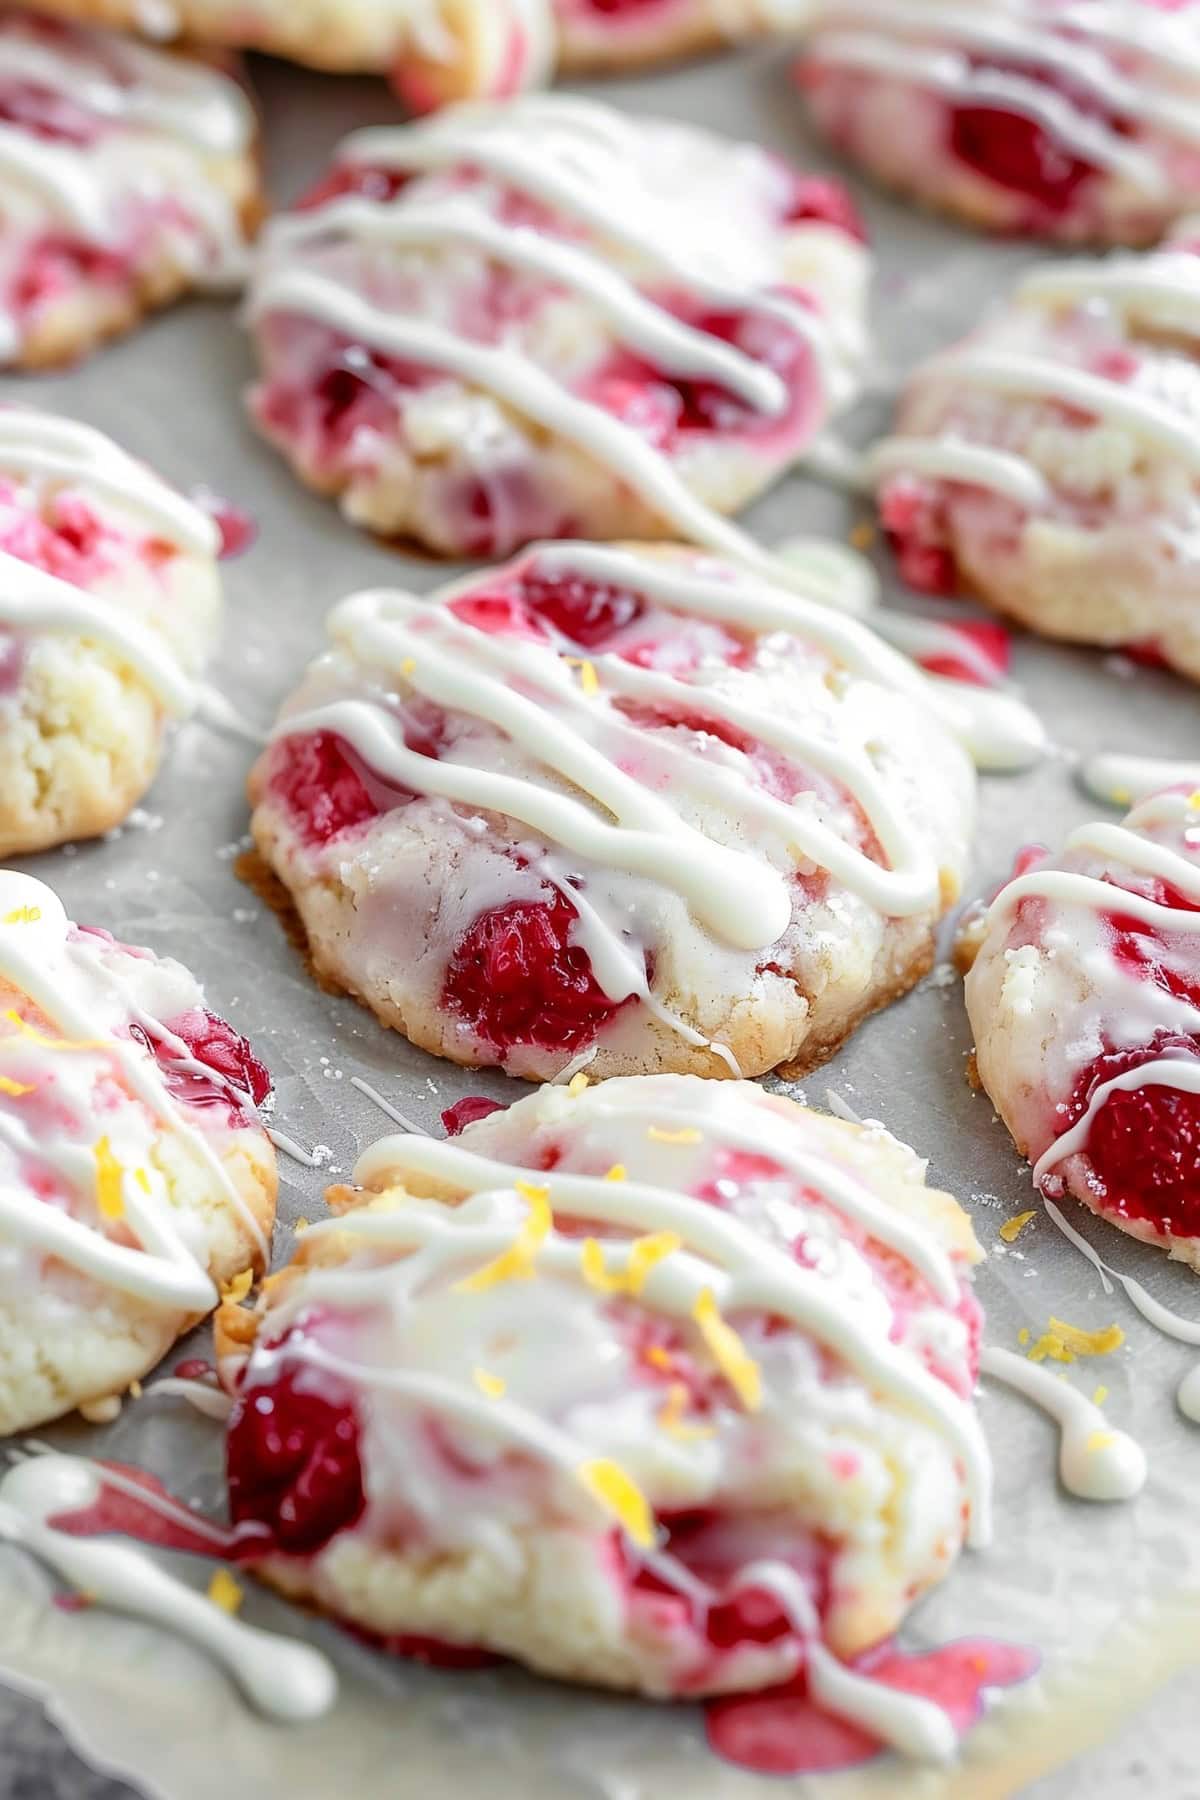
1111	1595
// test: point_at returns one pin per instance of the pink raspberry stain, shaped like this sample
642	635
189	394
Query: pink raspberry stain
212	1042
785	1732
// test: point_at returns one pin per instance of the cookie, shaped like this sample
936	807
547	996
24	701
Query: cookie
1049	463
1043	117
616	35
110	603
137	1175
552	320
1083	996
128	177
661	1384
626	807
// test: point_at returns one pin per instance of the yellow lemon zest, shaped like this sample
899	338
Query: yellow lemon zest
620	1494
1100	1396
689	1135
409	666
616	1173
135	1390
516	1263
224	1592
1012	1228
110	1178
658	1358
300	1227
14	1089
863	535
1100	1440
1194	801
142	1179
644	1253
1024	1335
728	1352
1062	1343
48	1043
577	1085
23	915
237	1289
589	681
494	1386
671	1415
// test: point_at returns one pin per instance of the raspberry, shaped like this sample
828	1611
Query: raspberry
1018	153
354	178
318	779
292	1463
582	611
985	657
456	1118
213	1042
817	198
514	978
1144	1143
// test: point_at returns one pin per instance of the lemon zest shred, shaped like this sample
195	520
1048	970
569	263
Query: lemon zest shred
1062	1343
48	1043
110	1179
671	1415
618	1172
516	1263
23	915
1012	1228
1024	1335
1100	1396
644	1254
688	1135
1100	1440
237	1289
494	1386
225	1593
135	1389
658	1358
616	1491
577	1084
728	1352
14	1089
142	1179
409	666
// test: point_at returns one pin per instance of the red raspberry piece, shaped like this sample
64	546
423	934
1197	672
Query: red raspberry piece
213	1042
582	611
817	198
1144	1143
456	1118
1019	154
515	978
317	778
293	1465
991	644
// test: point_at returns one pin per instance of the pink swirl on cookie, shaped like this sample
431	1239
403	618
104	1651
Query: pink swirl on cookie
624	1381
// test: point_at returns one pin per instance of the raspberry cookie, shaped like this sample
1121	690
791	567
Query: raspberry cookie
127	178
434	50
663	1385
549	320
620	34
109	604
618	806
1072	119
136	1174
1051	462
1085	1000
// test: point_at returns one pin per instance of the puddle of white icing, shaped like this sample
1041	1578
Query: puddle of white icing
1094	1461
283	1679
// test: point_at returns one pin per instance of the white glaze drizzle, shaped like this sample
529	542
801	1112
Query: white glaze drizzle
1171	1324
951	458
201	1396
385	1106
37	959
1094	1461
32	601
1121	779
582	160
743	1270
284	1679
